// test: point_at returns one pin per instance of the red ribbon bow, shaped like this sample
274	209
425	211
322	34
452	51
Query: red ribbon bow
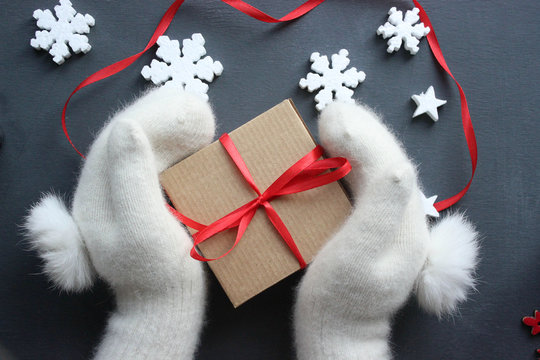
307	173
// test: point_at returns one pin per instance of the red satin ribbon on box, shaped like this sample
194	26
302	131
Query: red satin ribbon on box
296	13
307	173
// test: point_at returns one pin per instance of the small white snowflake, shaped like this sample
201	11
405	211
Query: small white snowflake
401	29
332	81
57	34
183	68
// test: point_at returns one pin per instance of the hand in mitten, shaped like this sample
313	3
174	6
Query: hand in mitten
383	252
120	229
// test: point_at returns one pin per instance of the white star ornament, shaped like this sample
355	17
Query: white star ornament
427	103
428	204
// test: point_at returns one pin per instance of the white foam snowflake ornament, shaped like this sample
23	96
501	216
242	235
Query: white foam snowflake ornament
333	81
57	34
403	30
183	68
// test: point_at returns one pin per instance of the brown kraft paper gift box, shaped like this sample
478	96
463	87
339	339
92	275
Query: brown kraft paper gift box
207	186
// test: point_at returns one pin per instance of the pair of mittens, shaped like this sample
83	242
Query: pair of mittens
118	228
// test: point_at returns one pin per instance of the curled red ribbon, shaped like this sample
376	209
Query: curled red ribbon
121	65
160	30
307	173
262	16
465	115
296	13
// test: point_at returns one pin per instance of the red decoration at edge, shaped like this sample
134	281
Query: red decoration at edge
296	13
307	173
533	322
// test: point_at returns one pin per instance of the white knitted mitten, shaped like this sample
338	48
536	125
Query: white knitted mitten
384	250
120	229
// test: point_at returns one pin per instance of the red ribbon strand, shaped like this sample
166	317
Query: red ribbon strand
307	173
465	115
261	16
296	13
160	30
122	64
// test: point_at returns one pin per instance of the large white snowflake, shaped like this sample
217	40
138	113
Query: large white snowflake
332	81
183	68
57	34
403	30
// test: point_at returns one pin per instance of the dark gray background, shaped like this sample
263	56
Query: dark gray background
492	49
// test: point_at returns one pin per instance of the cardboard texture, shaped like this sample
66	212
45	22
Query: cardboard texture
207	185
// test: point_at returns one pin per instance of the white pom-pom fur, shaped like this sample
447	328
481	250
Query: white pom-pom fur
452	257
55	236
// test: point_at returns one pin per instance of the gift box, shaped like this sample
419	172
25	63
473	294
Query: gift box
208	185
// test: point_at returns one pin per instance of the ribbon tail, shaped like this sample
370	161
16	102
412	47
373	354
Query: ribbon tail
242	226
284	232
184	219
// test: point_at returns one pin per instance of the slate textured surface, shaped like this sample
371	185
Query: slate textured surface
491	47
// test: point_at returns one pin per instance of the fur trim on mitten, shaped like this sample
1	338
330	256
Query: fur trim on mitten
452	256
52	232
